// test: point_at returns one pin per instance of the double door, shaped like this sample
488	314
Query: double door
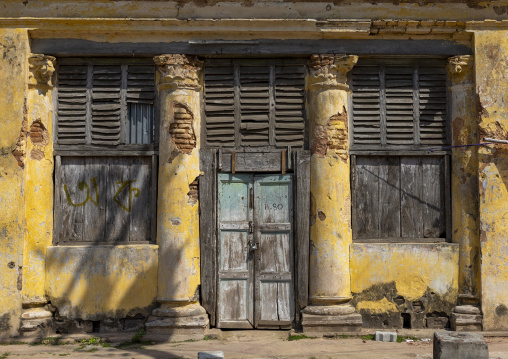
255	251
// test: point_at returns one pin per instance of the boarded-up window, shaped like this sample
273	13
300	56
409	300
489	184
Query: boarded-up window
105	172
254	103
400	189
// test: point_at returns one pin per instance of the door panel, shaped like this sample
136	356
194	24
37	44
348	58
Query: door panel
273	217
255	257
235	277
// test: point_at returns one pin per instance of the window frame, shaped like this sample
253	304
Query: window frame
150	151
402	151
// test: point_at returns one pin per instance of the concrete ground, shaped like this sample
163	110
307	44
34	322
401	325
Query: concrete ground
234	344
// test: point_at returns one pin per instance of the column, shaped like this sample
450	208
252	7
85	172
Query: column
464	174
36	320
179	98
330	231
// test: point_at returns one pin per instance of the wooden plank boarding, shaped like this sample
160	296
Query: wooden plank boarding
208	231
274	259
302	234
234	265
104	199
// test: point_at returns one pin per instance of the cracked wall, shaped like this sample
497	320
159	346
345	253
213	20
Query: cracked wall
13	69
390	281
491	53
178	209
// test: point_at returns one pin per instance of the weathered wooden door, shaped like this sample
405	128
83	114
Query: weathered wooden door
255	251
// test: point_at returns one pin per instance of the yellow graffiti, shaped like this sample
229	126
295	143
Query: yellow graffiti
131	190
81	186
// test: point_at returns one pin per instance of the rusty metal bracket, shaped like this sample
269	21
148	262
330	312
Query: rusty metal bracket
233	160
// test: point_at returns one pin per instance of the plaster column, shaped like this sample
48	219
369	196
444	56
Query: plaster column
330	231
464	176
39	166
179	93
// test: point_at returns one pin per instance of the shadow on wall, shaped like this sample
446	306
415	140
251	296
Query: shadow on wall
104	288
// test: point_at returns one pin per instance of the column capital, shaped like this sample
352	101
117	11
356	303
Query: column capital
41	70
179	71
330	70
461	69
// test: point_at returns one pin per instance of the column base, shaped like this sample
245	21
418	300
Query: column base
332	319
186	319
37	323
466	318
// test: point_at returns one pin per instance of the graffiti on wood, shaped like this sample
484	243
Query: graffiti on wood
123	185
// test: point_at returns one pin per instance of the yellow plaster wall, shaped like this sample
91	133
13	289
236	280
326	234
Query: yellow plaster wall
38	196
330	227
491	55
177	218
13	69
98	282
415	269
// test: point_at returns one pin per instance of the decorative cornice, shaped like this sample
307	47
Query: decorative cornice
461	70
41	70
179	71
330	70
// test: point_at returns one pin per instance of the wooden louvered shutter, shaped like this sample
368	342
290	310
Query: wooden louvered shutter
367	105
72	104
254	103
106	105
432	103
140	96
289	101
220	104
399	105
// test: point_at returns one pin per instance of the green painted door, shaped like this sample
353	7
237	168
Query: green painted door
255	251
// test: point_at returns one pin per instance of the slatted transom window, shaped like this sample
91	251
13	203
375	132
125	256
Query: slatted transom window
254	103
105	103
399	104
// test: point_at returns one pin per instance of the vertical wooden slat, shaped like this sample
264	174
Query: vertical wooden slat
354	203
117	218
271	96
302	236
389	197
238	112
367	196
153	192
72	223
123	104
57	207
433	197
411	197
447	199
382	104
207	230
89	92
141	197
94	211
416	106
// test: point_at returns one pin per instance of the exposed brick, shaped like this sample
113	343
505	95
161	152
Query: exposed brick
181	130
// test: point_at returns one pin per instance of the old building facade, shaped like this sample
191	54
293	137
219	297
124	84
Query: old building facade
256	165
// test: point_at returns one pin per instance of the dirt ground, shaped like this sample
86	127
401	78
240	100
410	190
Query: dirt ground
234	344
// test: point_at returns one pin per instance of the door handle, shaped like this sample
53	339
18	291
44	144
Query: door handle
251	227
